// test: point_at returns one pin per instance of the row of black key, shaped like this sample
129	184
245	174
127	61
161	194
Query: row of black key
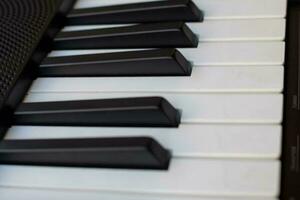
145	153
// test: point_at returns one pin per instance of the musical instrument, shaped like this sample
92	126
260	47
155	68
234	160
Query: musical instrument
149	99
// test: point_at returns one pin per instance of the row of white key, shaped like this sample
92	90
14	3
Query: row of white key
18	193
185	177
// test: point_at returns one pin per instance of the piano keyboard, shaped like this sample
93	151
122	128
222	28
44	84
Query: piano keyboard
228	143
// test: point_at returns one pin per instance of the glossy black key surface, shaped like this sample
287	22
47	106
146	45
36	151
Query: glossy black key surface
130	153
160	35
136	112
160	62
159	11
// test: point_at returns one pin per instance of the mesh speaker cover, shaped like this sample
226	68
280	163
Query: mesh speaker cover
26	29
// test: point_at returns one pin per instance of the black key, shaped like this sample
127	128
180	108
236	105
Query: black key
130	153
160	62
160	11
167	35
135	112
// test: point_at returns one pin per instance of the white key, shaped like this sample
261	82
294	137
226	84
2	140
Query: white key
217	53
237	53
189	140
186	177
203	79
224	30
15	193
197	108
238	30
216	9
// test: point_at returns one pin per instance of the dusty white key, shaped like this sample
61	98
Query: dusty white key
196	108
216	9
237	30
223	30
197	177
236	53
217	53
15	193
203	79
189	140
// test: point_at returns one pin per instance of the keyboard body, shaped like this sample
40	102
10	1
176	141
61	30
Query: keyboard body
228	145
